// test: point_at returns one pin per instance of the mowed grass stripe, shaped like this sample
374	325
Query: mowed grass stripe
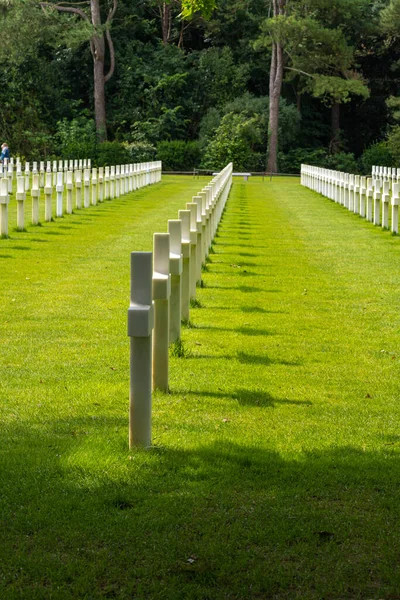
274	472
65	293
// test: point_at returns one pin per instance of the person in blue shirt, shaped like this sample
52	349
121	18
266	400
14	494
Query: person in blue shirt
5	153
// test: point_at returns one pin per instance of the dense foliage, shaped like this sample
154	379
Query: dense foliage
191	88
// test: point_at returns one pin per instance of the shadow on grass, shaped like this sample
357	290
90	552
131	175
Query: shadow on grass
262	359
259	398
245	273
238	228
83	517
391	439
246	289
244	255
228	261
236	245
238	270
247	397
248	309
251	331
211	260
97	214
258	309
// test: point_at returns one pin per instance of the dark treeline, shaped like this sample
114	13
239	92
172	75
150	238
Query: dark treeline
195	92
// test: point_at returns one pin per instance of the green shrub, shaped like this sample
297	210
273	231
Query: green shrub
378	154
256	162
76	138
291	161
177	155
232	142
141	152
342	161
393	145
112	153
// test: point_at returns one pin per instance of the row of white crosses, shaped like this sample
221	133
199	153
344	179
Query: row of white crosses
162	284
360	195
386	173
91	185
9	168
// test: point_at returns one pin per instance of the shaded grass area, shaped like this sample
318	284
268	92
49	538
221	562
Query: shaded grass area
275	466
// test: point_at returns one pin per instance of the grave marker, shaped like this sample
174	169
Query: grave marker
356	194
101	184
377	200
199	245
69	185
78	188
395	208
140	326
4	200
370	196
107	183
59	190
363	191
20	195
86	188
161	294
35	194
94	186
112	182
48	192
41	174
184	216
385	205
117	181
192	207
175	269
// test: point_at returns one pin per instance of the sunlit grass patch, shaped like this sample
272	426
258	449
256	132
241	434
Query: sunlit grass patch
274	467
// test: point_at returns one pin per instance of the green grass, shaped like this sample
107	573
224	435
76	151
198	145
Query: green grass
274	471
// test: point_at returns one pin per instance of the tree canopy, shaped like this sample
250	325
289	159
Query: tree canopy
189	71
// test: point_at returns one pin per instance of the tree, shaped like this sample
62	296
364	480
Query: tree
167	12
275	87
301	44
162	91
231	142
99	36
237	132
390	19
390	26
191	7
322	60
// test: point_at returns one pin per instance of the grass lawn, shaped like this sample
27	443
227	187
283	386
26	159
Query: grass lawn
275	468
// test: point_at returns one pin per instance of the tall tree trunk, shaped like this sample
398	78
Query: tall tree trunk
298	102
99	90
275	87
166	19
97	47
335	130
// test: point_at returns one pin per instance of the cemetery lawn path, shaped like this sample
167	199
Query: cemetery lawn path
275	468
